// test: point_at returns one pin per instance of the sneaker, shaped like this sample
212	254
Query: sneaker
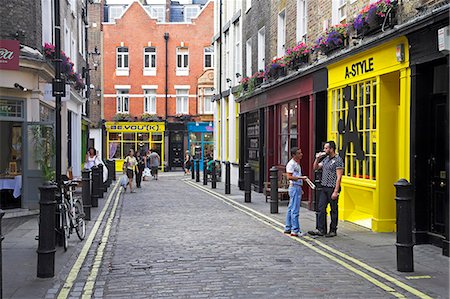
330	235
287	232
293	234
315	232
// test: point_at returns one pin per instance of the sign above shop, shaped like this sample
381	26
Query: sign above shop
359	68
444	39
134	127
9	54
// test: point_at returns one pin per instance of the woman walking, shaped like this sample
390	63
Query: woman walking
129	166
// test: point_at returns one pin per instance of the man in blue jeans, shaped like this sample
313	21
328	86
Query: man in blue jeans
294	174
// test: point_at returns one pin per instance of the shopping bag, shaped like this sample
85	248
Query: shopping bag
146	172
123	181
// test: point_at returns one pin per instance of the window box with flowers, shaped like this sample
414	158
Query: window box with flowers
122	117
375	17
297	56
276	69
258	78
334	38
243	87
67	66
150	117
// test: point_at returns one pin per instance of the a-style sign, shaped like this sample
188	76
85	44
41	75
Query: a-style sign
9	54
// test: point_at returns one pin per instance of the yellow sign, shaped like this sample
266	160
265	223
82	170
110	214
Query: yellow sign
368	64
135	126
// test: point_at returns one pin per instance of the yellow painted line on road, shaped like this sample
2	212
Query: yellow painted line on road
90	281
64	293
333	250
418	277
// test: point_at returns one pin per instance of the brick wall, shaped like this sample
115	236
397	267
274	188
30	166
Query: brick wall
22	15
135	29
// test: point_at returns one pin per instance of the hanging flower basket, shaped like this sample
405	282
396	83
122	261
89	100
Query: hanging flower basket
297	56
276	69
376	17
335	38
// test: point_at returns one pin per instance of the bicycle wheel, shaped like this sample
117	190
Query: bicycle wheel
65	227
80	225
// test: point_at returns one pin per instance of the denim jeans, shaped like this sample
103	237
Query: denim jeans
295	196
324	200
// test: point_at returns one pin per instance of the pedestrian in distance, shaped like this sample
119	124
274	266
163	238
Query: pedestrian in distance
332	170
129	166
154	163
187	163
140	168
295	177
91	158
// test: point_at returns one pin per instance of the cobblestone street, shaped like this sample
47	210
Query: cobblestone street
173	240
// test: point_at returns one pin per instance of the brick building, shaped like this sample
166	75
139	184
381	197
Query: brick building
381	115
158	80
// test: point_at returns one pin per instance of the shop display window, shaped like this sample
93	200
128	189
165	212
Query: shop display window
363	105
288	131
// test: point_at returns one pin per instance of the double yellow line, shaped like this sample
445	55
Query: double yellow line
88	288
327	251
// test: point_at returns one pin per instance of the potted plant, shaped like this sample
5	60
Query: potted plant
244	84
297	56
122	117
258	78
335	37
276	69
44	150
374	17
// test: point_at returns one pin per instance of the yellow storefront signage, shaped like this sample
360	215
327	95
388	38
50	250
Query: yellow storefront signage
135	126
369	113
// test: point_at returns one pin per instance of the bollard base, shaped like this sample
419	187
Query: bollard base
445	248
248	197
94	201
46	264
273	207
405	258
87	212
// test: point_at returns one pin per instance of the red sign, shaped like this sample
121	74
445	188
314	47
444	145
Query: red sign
9	54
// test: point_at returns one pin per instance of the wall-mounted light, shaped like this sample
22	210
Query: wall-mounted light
400	53
20	87
98	92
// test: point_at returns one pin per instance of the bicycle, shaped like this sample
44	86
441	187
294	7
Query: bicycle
71	214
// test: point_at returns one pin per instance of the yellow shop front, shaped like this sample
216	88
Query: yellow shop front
140	136
369	118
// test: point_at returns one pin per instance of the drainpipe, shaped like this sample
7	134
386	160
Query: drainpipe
220	50
166	38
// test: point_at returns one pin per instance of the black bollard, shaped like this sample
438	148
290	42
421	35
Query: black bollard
95	186
403	198
46	246
192	169
1	267
205	172
102	185
248	182
86	193
213	175
273	190
113	165
197	174
108	179
317	191
227	178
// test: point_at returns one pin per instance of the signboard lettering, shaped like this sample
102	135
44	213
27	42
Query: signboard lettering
359	68
9	54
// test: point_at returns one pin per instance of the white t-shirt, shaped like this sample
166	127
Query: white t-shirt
296	170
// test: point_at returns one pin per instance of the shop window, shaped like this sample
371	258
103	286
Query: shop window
11	108
354	127
150	101
182	101
122	101
288	135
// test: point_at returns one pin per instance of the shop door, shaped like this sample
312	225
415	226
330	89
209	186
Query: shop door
176	149
39	143
437	160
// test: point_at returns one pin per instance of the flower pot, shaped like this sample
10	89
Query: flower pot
328	49
374	23
259	81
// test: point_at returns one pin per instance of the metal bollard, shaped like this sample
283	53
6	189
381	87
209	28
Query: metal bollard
317	191
273	190
213	175
205	172
1	267
197	174
46	246
192	169
403	198
86	193
227	178
248	182
95	186
113	163
102	186
108	167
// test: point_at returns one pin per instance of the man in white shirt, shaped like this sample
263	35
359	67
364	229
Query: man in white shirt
294	174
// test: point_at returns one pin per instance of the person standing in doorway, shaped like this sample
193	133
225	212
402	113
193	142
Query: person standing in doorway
294	174
154	163
129	166
332	170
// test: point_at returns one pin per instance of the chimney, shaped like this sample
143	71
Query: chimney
168	2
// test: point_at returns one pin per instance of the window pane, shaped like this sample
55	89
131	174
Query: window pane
186	60
125	64
146	61
128	136
179	64
284	150
208	62
156	137
284	119
153	61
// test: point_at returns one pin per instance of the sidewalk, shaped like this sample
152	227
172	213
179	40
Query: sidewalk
20	258
431	268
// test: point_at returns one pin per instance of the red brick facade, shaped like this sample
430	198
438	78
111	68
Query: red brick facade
136	30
